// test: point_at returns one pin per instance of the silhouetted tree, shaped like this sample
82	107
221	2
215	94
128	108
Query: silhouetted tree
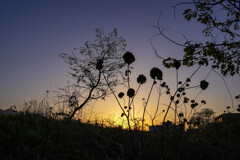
222	46
87	66
202	118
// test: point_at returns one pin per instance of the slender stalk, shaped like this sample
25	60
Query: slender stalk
146	104
128	80
135	95
159	97
114	94
169	106
226	88
144	113
176	104
127	116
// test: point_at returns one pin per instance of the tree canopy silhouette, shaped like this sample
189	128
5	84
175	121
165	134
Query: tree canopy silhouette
88	64
221	49
202	118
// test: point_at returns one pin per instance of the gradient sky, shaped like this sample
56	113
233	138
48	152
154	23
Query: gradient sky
33	33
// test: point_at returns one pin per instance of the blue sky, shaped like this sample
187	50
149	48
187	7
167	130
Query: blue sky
33	34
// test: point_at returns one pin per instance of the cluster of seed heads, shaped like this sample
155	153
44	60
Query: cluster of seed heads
156	74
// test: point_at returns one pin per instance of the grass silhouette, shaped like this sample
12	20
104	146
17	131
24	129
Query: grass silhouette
28	136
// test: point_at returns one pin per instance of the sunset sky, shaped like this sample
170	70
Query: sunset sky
34	33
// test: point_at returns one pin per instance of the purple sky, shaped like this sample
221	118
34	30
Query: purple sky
33	33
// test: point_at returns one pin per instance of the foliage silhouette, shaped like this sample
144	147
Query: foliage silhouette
27	136
74	140
221	49
87	66
202	119
178	99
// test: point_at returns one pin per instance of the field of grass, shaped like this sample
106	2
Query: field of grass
27	136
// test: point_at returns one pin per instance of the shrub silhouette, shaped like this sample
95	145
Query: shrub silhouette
177	99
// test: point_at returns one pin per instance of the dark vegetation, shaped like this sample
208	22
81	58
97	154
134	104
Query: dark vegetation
220	48
28	136
99	67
